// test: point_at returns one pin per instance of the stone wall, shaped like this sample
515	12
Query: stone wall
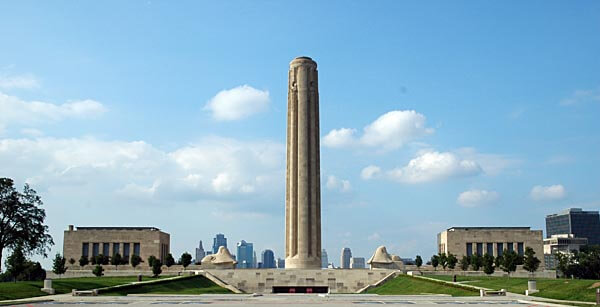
337	280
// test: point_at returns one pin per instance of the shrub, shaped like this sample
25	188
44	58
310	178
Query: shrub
98	270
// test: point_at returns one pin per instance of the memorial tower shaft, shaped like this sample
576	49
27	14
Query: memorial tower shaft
303	183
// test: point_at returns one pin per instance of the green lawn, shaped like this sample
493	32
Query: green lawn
562	289
24	289
192	285
407	285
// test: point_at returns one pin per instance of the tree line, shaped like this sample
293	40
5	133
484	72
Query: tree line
507	262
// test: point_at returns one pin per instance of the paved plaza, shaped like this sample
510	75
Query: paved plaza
288	300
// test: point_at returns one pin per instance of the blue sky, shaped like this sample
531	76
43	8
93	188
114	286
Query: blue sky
433	114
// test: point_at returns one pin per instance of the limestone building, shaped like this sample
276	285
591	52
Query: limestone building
466	241
108	241
303	179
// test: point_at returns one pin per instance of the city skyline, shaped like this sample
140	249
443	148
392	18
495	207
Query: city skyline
425	123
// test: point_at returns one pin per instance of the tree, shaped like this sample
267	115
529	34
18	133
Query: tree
170	260
59	265
185	259
156	267
435	260
498	261
464	263
509	261
151	260
135	260
452	261
488	264
98	270
476	262
22	220
83	261
443	260
531	262
16	263
72	261
116	260
418	261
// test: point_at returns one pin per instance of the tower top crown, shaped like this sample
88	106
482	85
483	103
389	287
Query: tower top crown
302	60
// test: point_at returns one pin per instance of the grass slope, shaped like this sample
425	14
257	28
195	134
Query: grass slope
407	285
562	289
193	285
24	289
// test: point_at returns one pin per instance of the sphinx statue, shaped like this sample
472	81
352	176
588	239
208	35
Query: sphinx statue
221	260
381	259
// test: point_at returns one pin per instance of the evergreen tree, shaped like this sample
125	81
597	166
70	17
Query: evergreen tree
59	265
83	261
509	261
531	262
98	270
464	263
151	260
435	260
476	262
135	260
452	261
418	261
156	267
443	260
16	263
116	260
185	260
170	260
488	264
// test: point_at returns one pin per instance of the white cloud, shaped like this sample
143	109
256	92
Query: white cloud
370	172
374	237
581	96
339	138
333	183
492	164
238	102
390	131
17	111
212	168
548	193
18	82
475	198
433	166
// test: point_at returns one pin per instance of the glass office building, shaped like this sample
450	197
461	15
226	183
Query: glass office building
575	221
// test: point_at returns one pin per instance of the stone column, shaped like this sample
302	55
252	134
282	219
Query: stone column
303	183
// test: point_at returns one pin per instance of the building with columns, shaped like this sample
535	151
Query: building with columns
467	241
109	241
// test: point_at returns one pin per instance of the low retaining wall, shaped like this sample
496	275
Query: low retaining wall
263	280
521	274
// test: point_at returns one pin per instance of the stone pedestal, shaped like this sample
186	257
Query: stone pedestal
48	286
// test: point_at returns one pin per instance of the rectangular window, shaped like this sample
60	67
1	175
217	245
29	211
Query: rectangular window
85	249
469	249
500	248
480	249
95	249
116	247
136	249
509	246
106	249
125	249
490	249
520	249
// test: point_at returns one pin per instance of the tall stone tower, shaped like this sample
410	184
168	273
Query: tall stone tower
303	176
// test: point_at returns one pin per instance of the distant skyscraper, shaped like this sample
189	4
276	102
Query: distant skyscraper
579	223
345	259
255	264
200	252
268	259
245	252
280	263
324	259
357	263
219	241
